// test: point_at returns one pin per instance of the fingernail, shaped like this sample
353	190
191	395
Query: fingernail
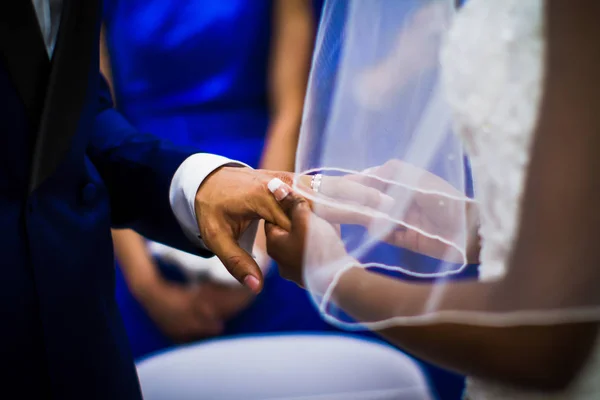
252	283
279	189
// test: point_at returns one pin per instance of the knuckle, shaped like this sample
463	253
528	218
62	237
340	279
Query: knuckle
299	202
235	264
257	182
210	230
260	188
391	167
287	178
373	197
262	181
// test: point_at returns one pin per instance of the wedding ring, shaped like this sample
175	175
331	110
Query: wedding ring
315	182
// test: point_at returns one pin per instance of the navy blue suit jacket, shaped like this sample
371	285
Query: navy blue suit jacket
70	169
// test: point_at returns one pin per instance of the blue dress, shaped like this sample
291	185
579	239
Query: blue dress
197	80
195	71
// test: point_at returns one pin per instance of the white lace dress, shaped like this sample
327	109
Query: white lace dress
493	67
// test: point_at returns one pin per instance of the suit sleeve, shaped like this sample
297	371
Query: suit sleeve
138	170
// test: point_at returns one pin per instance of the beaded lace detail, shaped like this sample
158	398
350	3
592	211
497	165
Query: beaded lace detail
493	72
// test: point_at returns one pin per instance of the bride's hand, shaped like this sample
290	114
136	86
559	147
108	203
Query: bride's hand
379	200
312	247
436	208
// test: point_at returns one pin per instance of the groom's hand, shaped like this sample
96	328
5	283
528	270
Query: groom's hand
227	202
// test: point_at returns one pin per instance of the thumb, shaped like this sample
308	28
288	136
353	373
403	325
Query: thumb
238	262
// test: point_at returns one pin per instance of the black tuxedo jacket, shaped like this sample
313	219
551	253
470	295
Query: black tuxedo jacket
70	168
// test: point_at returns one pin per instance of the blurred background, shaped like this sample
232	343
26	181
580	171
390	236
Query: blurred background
227	77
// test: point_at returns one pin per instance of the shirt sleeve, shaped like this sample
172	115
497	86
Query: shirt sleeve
184	186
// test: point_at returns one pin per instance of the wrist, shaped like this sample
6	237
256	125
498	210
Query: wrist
333	279
205	191
347	285
185	186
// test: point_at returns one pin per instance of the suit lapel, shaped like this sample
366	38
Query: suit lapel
24	55
67	86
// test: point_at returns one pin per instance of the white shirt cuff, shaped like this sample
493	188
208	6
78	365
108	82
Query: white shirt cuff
182	195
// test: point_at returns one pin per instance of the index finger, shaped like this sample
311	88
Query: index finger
362	201
346	189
